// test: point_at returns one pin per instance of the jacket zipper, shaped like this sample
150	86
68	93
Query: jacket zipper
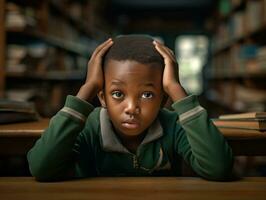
135	162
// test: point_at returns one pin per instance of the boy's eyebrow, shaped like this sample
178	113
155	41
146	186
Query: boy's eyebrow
117	82
149	84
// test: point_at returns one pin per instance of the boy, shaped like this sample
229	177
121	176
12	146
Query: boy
130	135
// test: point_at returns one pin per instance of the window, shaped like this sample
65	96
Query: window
191	53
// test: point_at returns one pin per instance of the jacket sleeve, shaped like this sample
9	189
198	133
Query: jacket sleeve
52	156
200	142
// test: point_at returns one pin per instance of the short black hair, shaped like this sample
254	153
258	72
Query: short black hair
138	48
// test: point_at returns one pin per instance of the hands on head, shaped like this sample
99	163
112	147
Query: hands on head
95	80
171	83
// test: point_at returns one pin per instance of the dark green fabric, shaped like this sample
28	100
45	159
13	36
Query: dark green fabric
70	148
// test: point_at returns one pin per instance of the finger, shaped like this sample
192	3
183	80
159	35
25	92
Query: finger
168	57
170	51
96	51
101	46
163	46
104	49
164	51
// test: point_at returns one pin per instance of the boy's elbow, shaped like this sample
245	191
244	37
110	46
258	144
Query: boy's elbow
37	169
40	178
38	173
222	171
47	173
219	174
216	170
43	176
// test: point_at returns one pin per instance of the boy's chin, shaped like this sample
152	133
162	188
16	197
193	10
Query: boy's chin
131	133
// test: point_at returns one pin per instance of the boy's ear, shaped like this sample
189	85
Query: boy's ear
101	98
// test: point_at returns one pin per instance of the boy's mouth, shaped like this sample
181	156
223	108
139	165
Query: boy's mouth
131	124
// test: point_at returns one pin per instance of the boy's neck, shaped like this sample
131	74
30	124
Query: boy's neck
132	145
131	142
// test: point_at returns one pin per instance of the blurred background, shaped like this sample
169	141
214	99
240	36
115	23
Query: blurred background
220	46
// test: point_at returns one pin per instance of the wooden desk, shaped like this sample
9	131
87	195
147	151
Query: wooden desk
17	139
18	188
246	142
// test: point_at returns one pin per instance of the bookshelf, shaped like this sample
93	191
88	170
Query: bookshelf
238	71
47	45
2	48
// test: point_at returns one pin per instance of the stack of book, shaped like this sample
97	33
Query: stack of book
17	111
249	121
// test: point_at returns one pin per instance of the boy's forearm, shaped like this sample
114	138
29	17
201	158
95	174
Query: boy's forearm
52	156
206	149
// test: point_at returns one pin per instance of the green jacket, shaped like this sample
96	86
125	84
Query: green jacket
80	142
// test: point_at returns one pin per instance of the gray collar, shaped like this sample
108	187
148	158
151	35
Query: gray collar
110	142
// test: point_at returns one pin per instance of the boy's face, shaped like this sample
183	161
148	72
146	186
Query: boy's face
133	95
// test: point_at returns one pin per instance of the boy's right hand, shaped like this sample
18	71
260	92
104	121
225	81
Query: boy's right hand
94	80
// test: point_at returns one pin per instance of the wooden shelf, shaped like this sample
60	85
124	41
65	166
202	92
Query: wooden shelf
81	25
58	66
239	75
72	47
234	8
222	104
50	75
249	35
2	48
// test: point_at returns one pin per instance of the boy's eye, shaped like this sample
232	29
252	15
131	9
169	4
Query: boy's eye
117	95
147	95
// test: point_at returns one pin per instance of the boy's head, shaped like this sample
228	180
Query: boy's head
133	91
137	48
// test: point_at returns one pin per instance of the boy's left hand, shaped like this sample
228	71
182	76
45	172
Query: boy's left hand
171	84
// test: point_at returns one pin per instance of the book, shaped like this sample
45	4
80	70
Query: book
249	115
254	15
17	111
252	124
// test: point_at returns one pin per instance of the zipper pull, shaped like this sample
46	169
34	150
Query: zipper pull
135	162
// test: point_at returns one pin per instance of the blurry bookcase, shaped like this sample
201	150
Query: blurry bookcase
45	46
237	76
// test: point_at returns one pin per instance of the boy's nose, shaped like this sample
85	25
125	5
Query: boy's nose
132	107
